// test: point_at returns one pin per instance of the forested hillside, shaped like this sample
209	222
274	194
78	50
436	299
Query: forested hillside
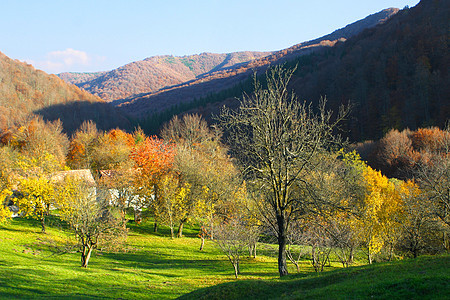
26	92
153	73
141	106
395	75
75	78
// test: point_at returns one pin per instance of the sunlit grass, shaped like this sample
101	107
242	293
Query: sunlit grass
154	266
422	278
149	265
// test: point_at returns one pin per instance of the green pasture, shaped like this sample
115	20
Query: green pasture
154	266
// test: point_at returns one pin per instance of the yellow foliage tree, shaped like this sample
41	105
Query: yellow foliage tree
35	186
5	185
171	202
381	210
94	222
38	196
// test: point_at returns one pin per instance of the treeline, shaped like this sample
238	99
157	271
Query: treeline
288	178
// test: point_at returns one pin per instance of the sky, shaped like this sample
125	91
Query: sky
99	35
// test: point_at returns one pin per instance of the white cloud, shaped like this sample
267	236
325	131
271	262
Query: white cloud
66	61
69	57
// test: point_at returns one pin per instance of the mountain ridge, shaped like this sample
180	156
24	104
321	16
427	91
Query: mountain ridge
395	75
142	105
133	80
26	93
156	72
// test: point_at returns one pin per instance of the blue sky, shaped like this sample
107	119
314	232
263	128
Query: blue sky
96	35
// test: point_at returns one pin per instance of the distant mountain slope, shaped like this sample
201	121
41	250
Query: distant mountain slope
26	92
396	75
142	106
76	78
154	73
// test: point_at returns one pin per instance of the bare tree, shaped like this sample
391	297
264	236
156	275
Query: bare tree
277	141
295	249
233	237
434	178
343	240
190	130
417	226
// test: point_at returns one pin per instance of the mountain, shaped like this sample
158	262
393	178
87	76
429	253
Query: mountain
141	106
154	73
26	92
395	75
77	78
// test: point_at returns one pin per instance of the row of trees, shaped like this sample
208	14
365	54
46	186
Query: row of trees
308	190
283	173
186	177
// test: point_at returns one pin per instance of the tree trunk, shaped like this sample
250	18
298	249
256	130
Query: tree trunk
203	243
415	250
172	234
391	251
236	269
171	231
297	266
123	215
350	260
137	216
43	224
252	250
314	258
282	266
155	227
86	256
180	228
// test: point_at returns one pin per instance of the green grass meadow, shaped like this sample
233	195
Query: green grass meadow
150	265
154	266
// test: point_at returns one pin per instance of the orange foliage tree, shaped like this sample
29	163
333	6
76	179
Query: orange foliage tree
153	158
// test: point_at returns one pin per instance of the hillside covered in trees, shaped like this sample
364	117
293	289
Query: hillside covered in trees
157	83
157	72
395	75
26	93
141	106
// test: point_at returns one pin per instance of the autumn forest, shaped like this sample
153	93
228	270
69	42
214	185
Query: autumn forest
211	176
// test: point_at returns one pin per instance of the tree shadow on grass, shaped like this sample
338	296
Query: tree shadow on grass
163	231
31	284
150	261
51	222
386	281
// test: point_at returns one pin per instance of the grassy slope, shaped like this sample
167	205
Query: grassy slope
153	266
423	278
